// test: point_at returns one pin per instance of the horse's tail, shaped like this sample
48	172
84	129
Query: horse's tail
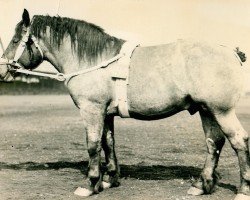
241	54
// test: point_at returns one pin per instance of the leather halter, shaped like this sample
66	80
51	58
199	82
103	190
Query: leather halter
19	51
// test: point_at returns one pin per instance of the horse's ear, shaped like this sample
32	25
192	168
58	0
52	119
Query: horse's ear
26	18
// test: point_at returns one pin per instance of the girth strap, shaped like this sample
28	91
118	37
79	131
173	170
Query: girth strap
121	77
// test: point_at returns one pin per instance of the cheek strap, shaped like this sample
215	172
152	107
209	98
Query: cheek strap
23	44
21	47
33	38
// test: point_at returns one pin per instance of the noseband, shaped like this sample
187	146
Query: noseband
13	64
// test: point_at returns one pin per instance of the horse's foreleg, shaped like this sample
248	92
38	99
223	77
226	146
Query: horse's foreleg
111	176
215	140
238	138
93	119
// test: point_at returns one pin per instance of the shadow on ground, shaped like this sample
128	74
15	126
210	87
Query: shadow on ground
141	172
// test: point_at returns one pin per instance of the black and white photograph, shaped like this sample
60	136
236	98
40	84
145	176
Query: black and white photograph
124	99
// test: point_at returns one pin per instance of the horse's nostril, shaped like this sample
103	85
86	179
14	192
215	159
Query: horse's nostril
5	75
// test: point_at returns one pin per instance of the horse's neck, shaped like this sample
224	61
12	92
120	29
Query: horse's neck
66	61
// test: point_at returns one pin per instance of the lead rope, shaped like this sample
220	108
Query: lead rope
1	43
67	77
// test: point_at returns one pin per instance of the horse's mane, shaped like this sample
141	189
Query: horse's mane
87	39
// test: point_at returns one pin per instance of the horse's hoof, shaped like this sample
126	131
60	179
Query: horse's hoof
242	197
105	185
83	192
195	191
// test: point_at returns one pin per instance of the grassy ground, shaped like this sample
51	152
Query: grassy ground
43	153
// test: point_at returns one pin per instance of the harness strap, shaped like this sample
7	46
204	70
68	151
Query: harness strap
37	45
57	76
120	76
103	64
121	101
4	61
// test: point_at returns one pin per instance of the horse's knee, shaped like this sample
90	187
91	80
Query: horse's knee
94	162
108	144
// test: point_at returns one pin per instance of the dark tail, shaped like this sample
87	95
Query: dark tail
242	55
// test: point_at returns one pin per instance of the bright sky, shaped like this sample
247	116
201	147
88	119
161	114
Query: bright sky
149	21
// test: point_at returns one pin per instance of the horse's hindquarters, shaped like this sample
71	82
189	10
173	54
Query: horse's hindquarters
166	79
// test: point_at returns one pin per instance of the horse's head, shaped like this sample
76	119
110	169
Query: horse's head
23	50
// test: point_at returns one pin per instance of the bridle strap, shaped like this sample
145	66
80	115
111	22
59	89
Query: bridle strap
4	61
103	64
33	38
20	49
57	76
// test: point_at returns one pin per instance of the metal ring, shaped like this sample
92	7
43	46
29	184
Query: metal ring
60	77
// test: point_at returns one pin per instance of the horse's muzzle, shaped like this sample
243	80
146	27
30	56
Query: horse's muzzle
5	75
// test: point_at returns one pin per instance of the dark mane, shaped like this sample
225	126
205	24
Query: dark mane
87	40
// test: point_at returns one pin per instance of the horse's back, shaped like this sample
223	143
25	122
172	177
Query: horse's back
169	78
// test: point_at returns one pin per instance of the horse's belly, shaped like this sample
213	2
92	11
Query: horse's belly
154	113
155	89
150	100
155	102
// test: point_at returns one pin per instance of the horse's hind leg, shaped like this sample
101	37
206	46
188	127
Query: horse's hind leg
111	176
238	138
215	140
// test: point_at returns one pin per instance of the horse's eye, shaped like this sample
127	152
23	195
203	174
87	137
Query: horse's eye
30	41
15	40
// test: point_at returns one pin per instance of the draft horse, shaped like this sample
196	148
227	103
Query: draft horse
163	80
